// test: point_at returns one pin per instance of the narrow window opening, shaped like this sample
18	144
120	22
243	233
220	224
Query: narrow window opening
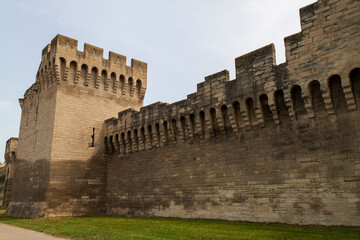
94	75
183	126
237	113
337	94
138	86
192	124
174	129
113	80
225	118
73	70
129	140
123	142
93	138
150	135
83	73
104	77
136	139
130	85
267	114
281	107
117	142
111	144
316	97
62	68
122	83
142	135
251	111
202	122
213	119
157	130
298	101
166	132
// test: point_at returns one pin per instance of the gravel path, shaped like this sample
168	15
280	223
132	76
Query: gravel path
8	232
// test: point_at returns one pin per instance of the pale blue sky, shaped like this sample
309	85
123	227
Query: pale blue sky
181	40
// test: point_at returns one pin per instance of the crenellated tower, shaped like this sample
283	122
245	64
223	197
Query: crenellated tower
60	166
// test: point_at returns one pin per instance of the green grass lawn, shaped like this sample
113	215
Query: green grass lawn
169	228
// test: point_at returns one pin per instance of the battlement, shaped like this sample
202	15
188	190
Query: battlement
262	94
161	124
117	58
279	143
308	14
61	43
222	77
93	51
63	64
254	68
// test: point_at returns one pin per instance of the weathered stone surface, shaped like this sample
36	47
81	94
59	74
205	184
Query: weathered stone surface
7	172
60	167
277	144
280	143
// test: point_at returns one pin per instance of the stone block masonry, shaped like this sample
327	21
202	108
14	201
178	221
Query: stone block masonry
60	165
8	170
280	143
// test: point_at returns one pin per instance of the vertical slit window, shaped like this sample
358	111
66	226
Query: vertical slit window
251	111
281	105
192	124
174	128
298	101
166	131
316	97
129	140
337	94
143	138
237	113
225	118
62	68
182	125
157	130
150	135
73	70
136	138
267	114
202	122
123	142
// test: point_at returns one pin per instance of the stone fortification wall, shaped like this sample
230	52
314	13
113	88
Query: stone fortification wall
2	184
280	143
60	168
8	168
